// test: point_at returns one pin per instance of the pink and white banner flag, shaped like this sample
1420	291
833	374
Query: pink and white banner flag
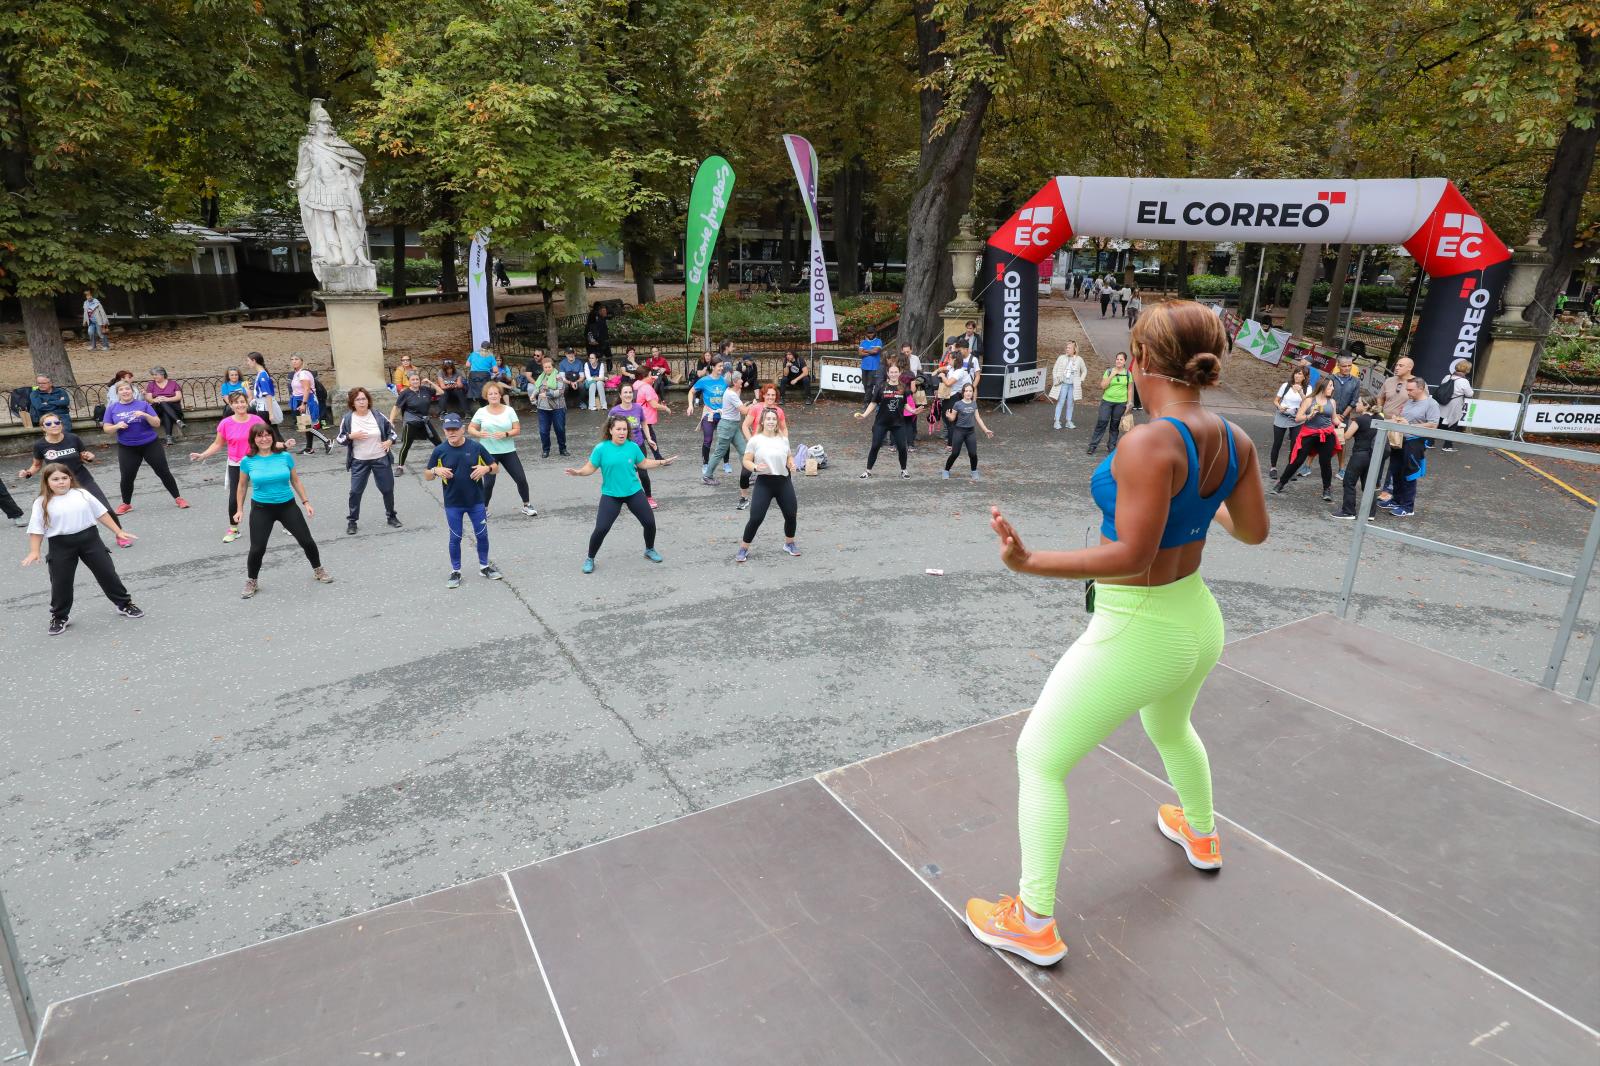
824	327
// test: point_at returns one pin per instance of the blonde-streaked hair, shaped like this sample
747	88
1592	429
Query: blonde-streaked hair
1181	339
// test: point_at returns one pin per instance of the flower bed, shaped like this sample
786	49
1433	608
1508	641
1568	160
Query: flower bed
766	316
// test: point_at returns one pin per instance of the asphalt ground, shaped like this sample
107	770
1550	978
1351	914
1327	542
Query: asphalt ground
225	771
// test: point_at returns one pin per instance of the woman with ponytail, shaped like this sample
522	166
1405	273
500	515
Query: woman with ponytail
1155	633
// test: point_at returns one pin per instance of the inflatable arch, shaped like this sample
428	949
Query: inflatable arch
1467	263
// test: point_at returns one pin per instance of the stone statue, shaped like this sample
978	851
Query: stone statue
328	178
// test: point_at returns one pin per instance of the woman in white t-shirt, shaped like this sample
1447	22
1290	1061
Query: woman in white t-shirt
1286	407
767	456
65	516
367	437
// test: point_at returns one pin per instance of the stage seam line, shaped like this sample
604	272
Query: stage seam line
1410	744
1424	934
551	992
1273	629
1017	965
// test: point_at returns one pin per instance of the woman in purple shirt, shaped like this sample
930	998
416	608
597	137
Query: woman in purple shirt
631	409
133	422
166	396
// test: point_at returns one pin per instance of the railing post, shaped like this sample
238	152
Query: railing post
1569	614
17	981
1369	492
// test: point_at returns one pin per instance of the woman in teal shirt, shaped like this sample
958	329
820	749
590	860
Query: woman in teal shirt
496	427
619	461
267	479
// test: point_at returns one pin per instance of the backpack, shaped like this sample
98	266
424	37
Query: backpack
321	390
1445	391
811	451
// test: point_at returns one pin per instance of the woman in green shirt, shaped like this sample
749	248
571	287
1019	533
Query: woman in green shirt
495	426
1113	403
619	461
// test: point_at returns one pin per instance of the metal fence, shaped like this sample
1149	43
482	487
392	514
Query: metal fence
200	393
1576	583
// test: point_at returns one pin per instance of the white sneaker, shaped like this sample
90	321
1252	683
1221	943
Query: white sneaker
529	510
1072	425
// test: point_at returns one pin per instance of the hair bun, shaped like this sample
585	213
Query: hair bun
1202	370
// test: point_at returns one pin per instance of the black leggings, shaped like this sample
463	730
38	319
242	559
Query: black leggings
8	505
1110	417
897	433
410	432
1278	433
170	414
770	487
290	517
1323	449
233	495
610	507
87	483
153	453
64	552
963	436
511	463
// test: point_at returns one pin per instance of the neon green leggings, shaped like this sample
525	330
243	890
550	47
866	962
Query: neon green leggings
1147	650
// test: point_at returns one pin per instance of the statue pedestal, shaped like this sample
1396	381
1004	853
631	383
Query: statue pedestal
954	317
362	279
356	338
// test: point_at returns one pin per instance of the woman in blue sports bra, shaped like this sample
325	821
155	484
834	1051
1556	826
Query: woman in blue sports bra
1156	631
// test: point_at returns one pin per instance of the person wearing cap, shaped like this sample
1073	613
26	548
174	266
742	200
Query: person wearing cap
462	464
871	349
166	396
1346	391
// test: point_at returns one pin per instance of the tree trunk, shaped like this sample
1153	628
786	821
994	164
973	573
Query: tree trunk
1304	278
447	264
1562	202
847	188
552	325
1249	274
398	235
786	242
800	240
45	346
643	259
1183	270
1341	267
945	170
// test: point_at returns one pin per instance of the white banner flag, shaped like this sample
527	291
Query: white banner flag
478	287
824	327
1265	344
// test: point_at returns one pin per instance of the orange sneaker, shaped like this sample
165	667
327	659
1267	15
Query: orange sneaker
1001	925
1203	852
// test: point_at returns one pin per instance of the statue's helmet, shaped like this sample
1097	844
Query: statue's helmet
319	117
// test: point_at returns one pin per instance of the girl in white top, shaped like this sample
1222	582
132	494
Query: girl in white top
767	456
65	516
1067	377
1286	407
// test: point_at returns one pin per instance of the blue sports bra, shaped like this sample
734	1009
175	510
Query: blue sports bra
1191	513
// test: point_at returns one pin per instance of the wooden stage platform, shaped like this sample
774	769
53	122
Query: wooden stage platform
1412	850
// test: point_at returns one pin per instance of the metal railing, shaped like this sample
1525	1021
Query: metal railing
17	982
200	392
1576	583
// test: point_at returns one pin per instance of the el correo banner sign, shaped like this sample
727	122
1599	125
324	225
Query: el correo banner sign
803	158
1466	262
708	203
1024	383
478	287
837	377
1570	418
